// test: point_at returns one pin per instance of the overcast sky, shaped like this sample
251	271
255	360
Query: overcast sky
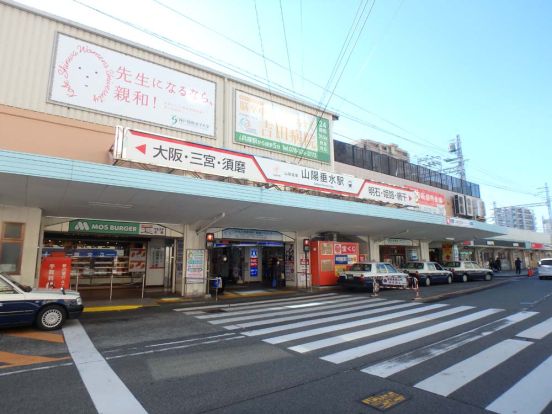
412	72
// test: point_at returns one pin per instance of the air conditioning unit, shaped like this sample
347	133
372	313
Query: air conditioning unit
481	213
459	205
469	206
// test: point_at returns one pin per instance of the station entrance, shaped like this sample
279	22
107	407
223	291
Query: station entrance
249	263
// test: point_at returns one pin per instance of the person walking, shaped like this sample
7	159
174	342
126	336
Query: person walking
518	266
498	264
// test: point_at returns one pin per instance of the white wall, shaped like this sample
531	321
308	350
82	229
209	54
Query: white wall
31	217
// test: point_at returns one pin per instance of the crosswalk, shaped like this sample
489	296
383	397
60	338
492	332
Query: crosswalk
356	329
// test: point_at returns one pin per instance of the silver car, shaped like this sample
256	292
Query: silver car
545	269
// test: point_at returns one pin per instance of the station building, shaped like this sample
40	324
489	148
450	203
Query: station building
117	161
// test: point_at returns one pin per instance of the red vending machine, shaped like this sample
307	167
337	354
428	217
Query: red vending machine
55	271
321	261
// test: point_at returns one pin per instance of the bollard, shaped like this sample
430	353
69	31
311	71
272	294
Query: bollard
375	288
416	288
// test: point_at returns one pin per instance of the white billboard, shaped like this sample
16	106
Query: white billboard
92	77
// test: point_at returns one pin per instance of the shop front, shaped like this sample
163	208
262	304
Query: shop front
500	254
110	258
399	251
249	257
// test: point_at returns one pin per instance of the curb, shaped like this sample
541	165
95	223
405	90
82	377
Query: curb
114	308
459	292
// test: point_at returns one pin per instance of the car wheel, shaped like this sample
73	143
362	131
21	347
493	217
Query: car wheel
427	281
50	317
449	279
488	277
464	278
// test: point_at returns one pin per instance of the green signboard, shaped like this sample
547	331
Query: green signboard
274	127
104	227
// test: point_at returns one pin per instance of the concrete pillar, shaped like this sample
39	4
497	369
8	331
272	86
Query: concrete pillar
301	281
374	252
192	241
424	250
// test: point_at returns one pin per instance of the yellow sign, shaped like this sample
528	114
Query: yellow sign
385	400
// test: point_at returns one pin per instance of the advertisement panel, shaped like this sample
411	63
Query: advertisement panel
92	77
146	148
137	260
195	265
430	201
55	272
264	124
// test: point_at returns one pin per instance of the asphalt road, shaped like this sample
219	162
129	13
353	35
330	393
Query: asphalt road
322	354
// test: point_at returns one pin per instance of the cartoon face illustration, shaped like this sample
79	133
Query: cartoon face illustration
87	77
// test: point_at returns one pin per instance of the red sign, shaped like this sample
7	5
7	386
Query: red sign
345	248
537	246
429	198
55	272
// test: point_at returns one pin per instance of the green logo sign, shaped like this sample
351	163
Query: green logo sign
105	227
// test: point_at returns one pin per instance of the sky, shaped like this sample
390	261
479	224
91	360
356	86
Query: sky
415	73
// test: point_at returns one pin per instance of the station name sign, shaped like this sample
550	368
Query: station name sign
146	148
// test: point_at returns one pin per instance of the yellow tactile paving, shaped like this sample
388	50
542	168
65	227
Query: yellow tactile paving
111	308
17	360
39	336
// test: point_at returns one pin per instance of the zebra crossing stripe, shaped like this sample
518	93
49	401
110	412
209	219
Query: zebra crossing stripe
531	394
449	380
282	310
336	340
347	325
319	321
377	346
245	310
310	314
391	366
538	331
260	303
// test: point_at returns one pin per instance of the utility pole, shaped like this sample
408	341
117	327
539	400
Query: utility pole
549	206
459	169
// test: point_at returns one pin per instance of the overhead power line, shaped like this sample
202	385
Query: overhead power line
282	89
287	46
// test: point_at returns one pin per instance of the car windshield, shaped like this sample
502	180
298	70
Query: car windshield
361	267
546	262
452	264
16	283
414	265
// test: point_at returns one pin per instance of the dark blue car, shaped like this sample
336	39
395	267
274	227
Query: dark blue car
47	309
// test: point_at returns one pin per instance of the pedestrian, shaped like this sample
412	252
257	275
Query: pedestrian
518	266
491	264
498	264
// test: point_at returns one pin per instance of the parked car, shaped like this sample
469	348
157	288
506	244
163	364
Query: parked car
372	276
428	273
47	309
462	271
545	269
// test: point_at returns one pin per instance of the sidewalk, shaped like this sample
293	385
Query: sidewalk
93	303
